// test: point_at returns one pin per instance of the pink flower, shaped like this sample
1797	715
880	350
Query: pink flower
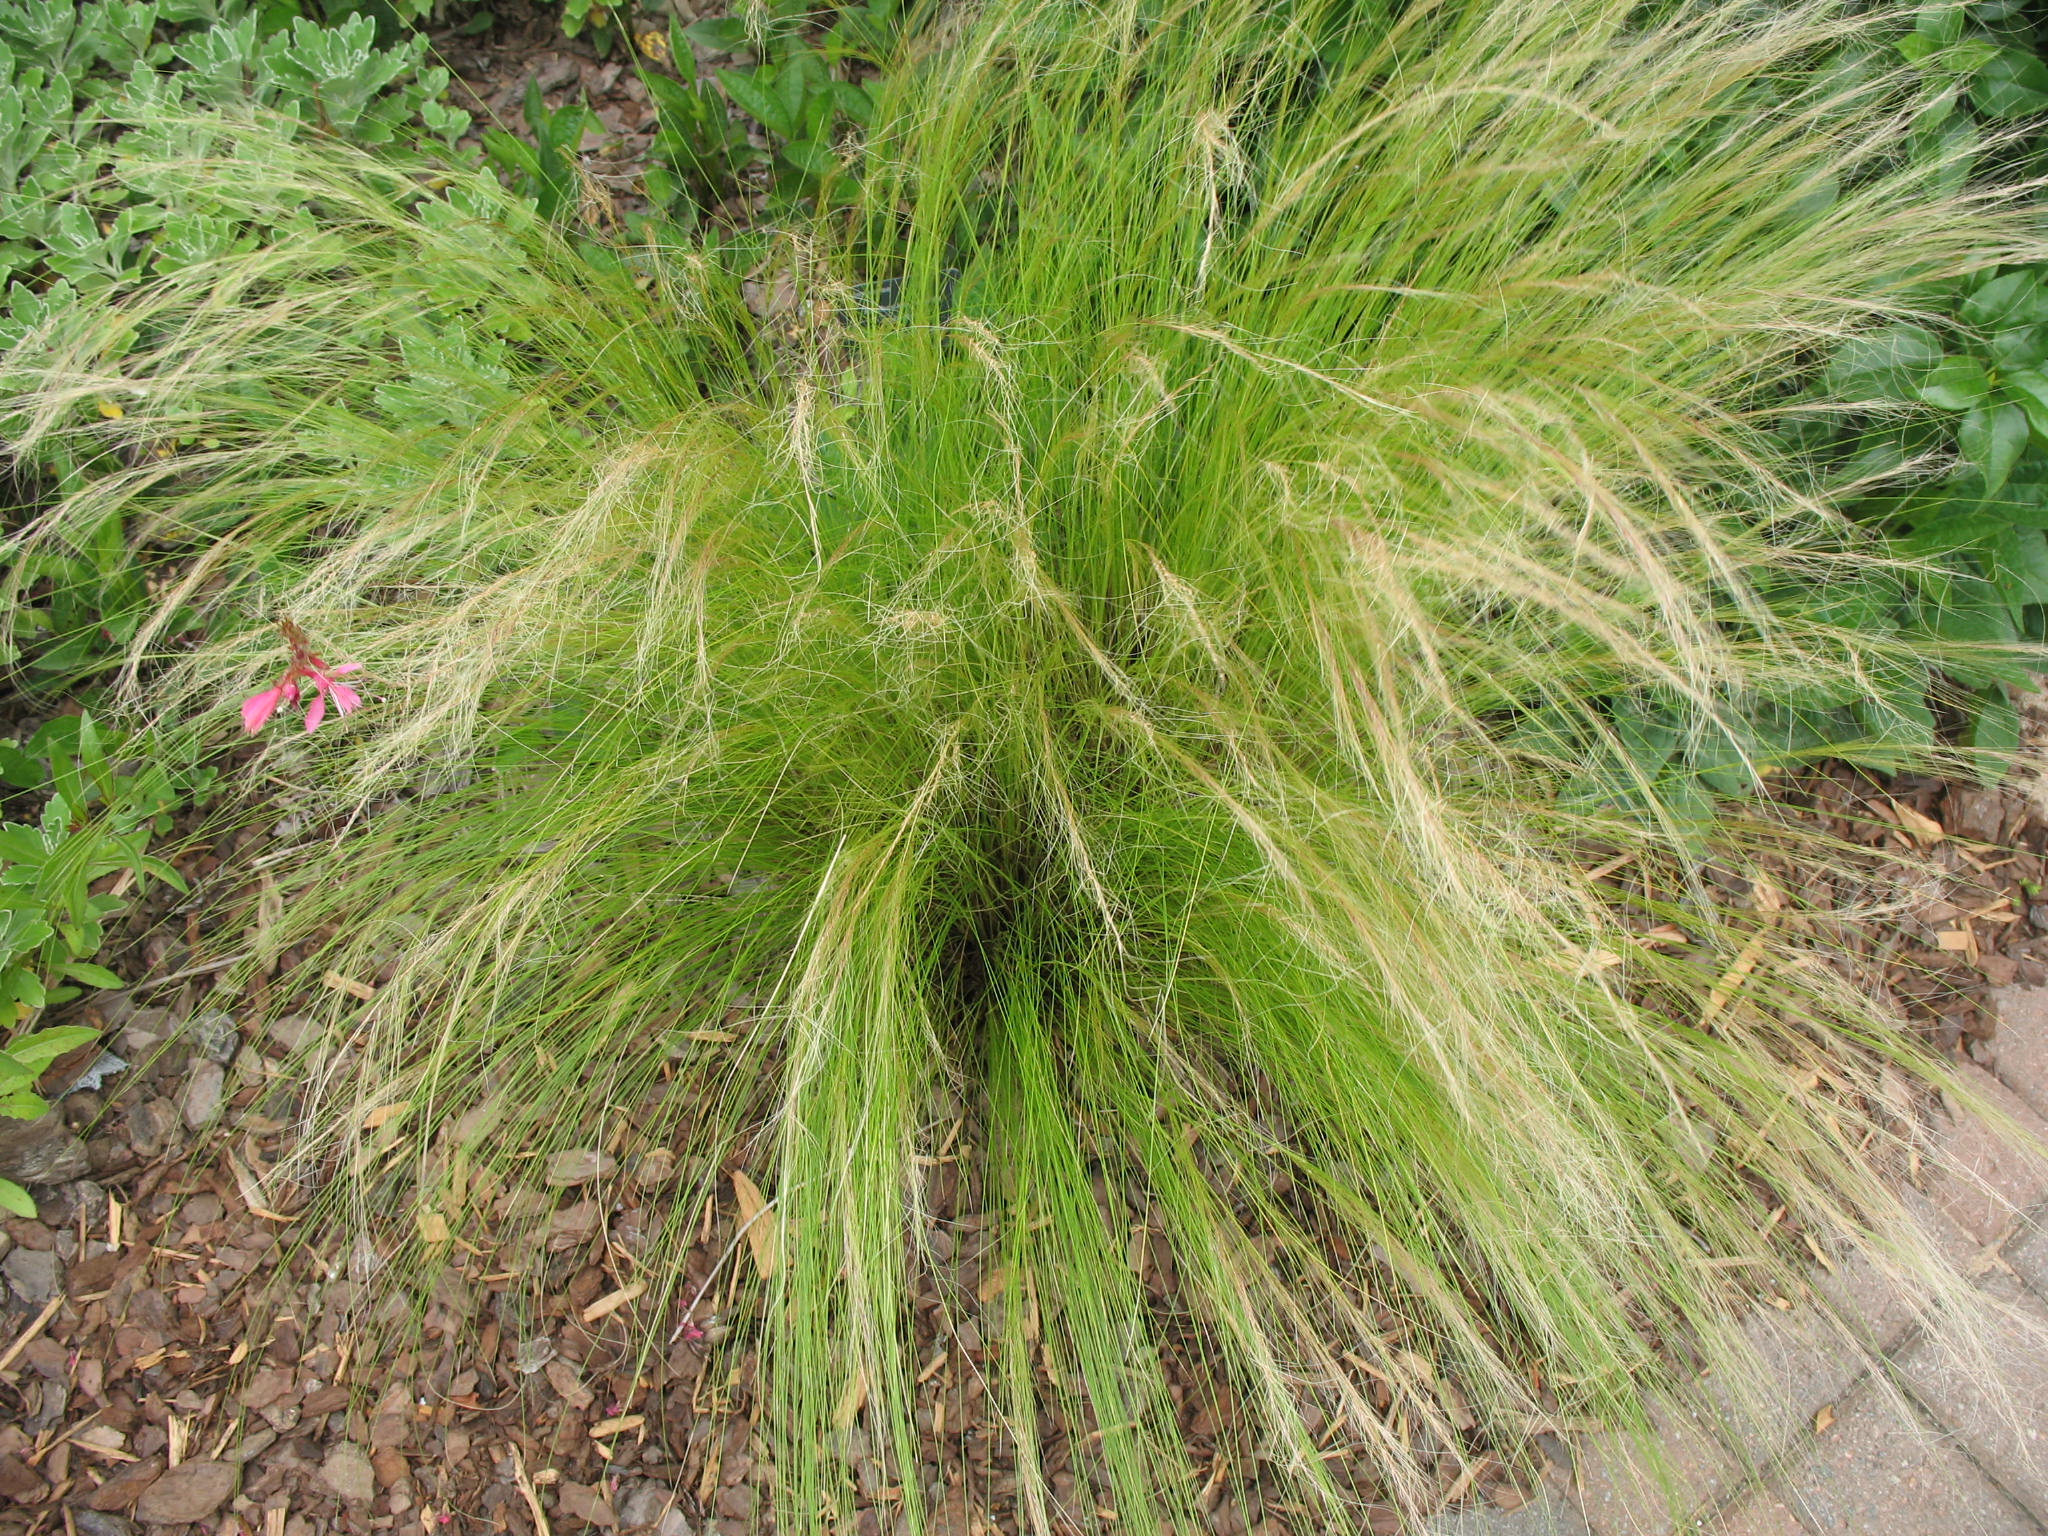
259	707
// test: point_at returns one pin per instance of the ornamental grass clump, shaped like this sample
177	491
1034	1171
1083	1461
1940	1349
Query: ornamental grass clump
1057	692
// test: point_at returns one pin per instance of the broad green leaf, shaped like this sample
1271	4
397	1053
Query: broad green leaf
18	768
718	34
92	975
1887	362
754	98
2011	83
16	1199
46	1045
1940	23
2022	557
1956	384
809	156
1995	732
2014	299
1992	438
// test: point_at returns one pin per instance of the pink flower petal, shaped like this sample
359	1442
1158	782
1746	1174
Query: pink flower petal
345	668
316	711
259	707
346	699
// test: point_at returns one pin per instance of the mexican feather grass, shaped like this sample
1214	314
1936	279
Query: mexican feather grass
1060	673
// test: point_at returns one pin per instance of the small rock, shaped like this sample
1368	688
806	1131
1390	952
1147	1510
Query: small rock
292	1031
349	1473
282	1418
673	1524
149	1125
579	1165
202	1094
93	1522
215	1037
94	1077
147	1029
533	1354
643	1501
189	1492
41	1151
33	1275
60	1207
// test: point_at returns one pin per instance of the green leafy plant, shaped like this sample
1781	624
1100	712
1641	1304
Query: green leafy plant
546	169
72	80
96	820
797	91
1081	679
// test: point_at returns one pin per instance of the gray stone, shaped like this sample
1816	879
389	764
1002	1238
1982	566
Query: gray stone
644	1501
292	1031
203	1093
33	1274
188	1493
147	1029
1879	1469
215	1037
348	1472
41	1151
61	1206
150	1122
97	1522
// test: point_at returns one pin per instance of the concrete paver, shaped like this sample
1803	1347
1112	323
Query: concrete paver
2020	1048
1621	1492
2005	1423
1984	1181
1924	1448
1879	1469
2027	1253
1760	1514
1550	1515
1802	1362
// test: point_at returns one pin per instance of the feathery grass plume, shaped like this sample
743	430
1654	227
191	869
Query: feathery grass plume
1075	707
